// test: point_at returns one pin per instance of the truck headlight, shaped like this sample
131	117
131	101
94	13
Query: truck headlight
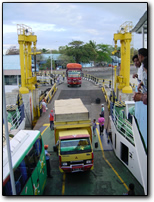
88	161
64	164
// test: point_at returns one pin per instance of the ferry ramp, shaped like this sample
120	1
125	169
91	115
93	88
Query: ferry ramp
88	93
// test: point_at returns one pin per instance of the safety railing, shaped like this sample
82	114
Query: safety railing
97	81
123	126
51	93
15	119
47	98
106	97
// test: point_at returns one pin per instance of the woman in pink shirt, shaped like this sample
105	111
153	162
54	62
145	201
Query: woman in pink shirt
101	121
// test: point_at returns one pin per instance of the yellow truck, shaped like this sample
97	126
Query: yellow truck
73	136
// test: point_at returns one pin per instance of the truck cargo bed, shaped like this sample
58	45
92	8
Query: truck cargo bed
70	110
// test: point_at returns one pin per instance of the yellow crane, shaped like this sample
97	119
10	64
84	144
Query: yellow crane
28	82
125	37
25	39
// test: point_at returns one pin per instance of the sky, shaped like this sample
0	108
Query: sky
57	24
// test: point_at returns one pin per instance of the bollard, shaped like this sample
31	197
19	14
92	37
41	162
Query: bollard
109	84
96	144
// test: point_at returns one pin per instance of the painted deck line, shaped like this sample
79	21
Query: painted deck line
45	128
63	185
109	162
64	175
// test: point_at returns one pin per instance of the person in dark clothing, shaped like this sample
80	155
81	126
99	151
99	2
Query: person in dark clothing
47	156
51	119
131	190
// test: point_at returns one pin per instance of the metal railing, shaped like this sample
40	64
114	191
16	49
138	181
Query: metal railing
51	93
97	81
123	126
15	120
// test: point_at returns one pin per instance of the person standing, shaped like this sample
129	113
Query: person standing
131	191
58	79
51	119
94	127
44	106
102	110
101	121
142	53
142	96
138	65
47	156
63	76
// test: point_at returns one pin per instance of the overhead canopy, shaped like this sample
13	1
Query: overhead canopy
142	24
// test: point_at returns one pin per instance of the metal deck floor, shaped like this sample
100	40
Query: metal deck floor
108	177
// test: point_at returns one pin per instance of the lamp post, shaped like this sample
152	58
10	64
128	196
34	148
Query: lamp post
51	61
8	143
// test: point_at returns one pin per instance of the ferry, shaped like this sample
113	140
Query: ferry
120	157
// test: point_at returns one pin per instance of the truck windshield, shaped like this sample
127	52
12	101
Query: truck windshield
74	146
74	73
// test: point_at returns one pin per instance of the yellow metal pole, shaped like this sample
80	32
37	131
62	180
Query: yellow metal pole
126	73
26	63
127	64
115	78
124	77
22	63
23	89
122	57
29	60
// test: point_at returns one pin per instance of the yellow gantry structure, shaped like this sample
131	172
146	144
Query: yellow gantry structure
25	39
125	38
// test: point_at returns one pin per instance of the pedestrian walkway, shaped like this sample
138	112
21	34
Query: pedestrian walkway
106	142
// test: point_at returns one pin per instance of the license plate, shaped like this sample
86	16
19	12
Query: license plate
76	169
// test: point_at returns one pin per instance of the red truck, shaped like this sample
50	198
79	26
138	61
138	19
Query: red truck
73	73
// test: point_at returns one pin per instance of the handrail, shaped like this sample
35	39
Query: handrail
15	119
51	93
123	127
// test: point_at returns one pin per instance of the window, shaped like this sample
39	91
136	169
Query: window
74	73
34	154
74	146
38	147
11	80
20	176
25	169
124	153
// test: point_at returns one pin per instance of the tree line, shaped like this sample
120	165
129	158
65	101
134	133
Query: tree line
77	51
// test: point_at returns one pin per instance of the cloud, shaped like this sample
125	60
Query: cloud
92	31
9	29
64	22
45	27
